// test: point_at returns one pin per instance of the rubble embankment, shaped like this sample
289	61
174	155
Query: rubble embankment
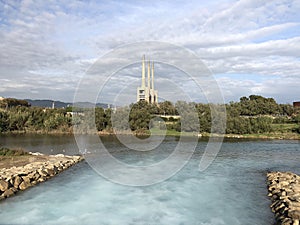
14	179
284	190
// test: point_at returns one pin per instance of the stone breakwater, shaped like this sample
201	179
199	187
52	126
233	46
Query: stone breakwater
19	178
284	190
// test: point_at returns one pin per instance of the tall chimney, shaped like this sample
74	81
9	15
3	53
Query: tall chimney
152	86
149	74
143	72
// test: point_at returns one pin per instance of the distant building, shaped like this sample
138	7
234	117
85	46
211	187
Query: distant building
1	98
71	114
147	93
296	104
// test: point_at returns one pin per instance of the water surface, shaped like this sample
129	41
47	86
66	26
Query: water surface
231	191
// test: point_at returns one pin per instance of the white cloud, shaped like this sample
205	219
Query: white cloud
53	43
283	90
287	47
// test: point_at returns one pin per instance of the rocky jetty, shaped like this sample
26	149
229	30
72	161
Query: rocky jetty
284	190
14	179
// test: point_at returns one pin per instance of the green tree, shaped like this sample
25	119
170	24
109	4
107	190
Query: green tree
57	119
167	108
189	119
120	119
286	109
140	116
4	121
238	125
108	113
204	117
258	105
261	125
36	118
296	118
18	119
100	119
12	102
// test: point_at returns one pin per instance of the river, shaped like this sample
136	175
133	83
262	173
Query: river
231	191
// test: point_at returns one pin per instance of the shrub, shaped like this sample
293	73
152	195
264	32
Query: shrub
12	152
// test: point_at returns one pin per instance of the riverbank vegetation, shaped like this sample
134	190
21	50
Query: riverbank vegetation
12	152
253	115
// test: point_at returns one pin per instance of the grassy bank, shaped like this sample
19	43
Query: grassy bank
286	136
156	131
12	152
281	131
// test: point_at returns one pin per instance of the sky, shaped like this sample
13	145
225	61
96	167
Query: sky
250	46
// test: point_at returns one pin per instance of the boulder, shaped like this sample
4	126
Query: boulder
36	176
50	172
4	185
55	168
24	185
18	180
26	179
10	181
31	175
287	221
9	192
42	179
42	172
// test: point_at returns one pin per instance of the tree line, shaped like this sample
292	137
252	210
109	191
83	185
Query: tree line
250	115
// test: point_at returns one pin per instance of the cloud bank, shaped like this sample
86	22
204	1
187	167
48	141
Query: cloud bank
252	46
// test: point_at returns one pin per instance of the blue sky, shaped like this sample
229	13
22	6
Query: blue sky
251	46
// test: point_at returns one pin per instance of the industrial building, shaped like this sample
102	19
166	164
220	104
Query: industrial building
147	93
296	104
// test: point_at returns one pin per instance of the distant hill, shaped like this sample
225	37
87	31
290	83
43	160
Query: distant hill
59	104
48	103
90	105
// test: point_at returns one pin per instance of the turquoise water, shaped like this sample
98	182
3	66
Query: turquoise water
231	191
